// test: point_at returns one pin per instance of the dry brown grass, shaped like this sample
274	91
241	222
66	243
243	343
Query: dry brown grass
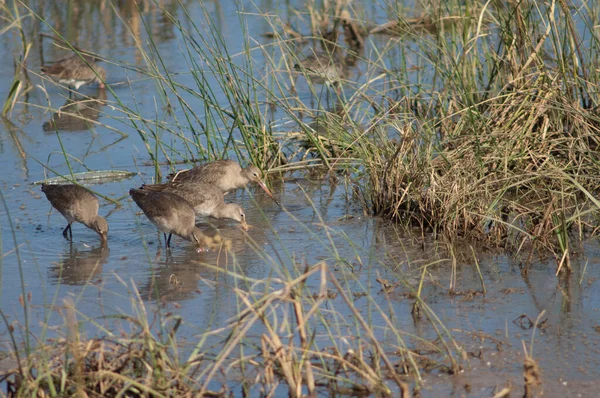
297	350
499	171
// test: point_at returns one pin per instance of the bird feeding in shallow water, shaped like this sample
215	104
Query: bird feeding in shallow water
206	199
323	69
76	71
76	204
170	213
224	174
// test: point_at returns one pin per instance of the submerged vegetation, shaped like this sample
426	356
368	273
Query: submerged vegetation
475	121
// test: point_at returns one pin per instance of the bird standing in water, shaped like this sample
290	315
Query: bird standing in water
224	174
206	199
75	71
76	204
325	69
170	213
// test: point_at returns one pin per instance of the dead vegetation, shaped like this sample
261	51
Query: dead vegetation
293	353
511	173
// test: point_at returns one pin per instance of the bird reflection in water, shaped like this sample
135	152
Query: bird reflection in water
77	114
184	274
79	267
173	282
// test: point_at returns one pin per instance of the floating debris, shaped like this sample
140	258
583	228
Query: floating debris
94	176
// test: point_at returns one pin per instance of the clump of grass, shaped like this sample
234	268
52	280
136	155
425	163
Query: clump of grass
498	170
496	159
137	364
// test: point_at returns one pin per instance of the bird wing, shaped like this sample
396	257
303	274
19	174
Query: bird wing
207	172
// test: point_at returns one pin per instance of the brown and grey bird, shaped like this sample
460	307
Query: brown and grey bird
322	68
224	174
170	213
206	199
76	204
75	71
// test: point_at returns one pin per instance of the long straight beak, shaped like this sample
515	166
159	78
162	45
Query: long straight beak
269	193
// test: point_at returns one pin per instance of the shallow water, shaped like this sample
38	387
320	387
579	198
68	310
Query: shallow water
320	221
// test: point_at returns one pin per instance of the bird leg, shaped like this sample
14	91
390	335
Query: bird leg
68	228
169	241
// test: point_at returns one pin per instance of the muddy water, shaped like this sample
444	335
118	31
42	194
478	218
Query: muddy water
319	221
